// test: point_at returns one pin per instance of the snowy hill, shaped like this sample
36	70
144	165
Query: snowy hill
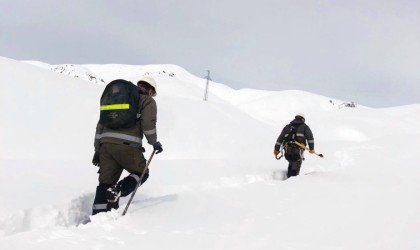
76	71
216	185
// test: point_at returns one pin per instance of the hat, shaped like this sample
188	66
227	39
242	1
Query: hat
300	115
149	81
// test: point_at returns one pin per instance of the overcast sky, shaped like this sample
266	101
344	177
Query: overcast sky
367	51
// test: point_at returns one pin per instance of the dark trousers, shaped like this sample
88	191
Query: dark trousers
294	168
114	158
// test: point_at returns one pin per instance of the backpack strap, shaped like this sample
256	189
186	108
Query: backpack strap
300	134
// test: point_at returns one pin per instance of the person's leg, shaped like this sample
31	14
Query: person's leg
294	168
135	164
297	166
290	170
100	204
110	170
109	173
129	183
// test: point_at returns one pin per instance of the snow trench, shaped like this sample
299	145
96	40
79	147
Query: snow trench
74	213
78	211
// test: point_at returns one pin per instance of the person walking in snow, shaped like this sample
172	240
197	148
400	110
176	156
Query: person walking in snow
298	131
119	149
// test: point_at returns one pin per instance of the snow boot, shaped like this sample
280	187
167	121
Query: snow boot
129	183
113	194
100	203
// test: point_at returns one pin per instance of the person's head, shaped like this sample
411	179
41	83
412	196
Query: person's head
148	84
300	116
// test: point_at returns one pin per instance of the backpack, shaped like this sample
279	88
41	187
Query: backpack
292	151
119	105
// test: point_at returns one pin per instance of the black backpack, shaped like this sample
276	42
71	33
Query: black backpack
119	105
292	151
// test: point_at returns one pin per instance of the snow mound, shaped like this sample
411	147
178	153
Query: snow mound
74	213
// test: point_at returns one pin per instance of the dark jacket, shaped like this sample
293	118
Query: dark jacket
146	124
303	134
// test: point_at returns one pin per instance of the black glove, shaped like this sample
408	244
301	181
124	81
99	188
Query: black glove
95	160
158	147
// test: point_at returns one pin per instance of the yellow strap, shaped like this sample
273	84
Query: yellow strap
115	106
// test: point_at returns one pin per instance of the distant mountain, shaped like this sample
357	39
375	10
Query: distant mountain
72	70
77	71
251	101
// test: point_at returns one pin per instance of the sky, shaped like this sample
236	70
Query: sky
211	187
362	51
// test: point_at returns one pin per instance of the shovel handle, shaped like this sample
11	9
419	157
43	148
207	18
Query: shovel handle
304	147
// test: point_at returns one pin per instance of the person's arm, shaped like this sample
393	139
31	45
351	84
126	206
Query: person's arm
148	120
280	139
310	138
99	129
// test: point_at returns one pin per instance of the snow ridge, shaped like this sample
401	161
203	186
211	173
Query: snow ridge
77	71
74	213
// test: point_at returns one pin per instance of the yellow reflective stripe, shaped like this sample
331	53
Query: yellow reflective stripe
115	106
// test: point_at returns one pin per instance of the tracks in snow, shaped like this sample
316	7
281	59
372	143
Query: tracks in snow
77	211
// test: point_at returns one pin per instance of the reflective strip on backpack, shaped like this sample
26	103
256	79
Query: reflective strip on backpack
119	136
300	134
115	106
311	141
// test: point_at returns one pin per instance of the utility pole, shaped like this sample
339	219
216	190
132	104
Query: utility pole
206	91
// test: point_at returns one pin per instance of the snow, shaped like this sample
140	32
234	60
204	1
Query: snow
217	184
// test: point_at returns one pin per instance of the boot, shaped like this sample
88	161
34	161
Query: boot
113	194
100	203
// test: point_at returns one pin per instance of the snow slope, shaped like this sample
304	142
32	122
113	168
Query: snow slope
217	184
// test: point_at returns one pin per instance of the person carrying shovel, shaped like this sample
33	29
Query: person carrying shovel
292	140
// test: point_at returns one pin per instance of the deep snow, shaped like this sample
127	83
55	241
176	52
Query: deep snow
217	184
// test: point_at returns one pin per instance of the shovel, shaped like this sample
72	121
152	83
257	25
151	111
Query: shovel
304	147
